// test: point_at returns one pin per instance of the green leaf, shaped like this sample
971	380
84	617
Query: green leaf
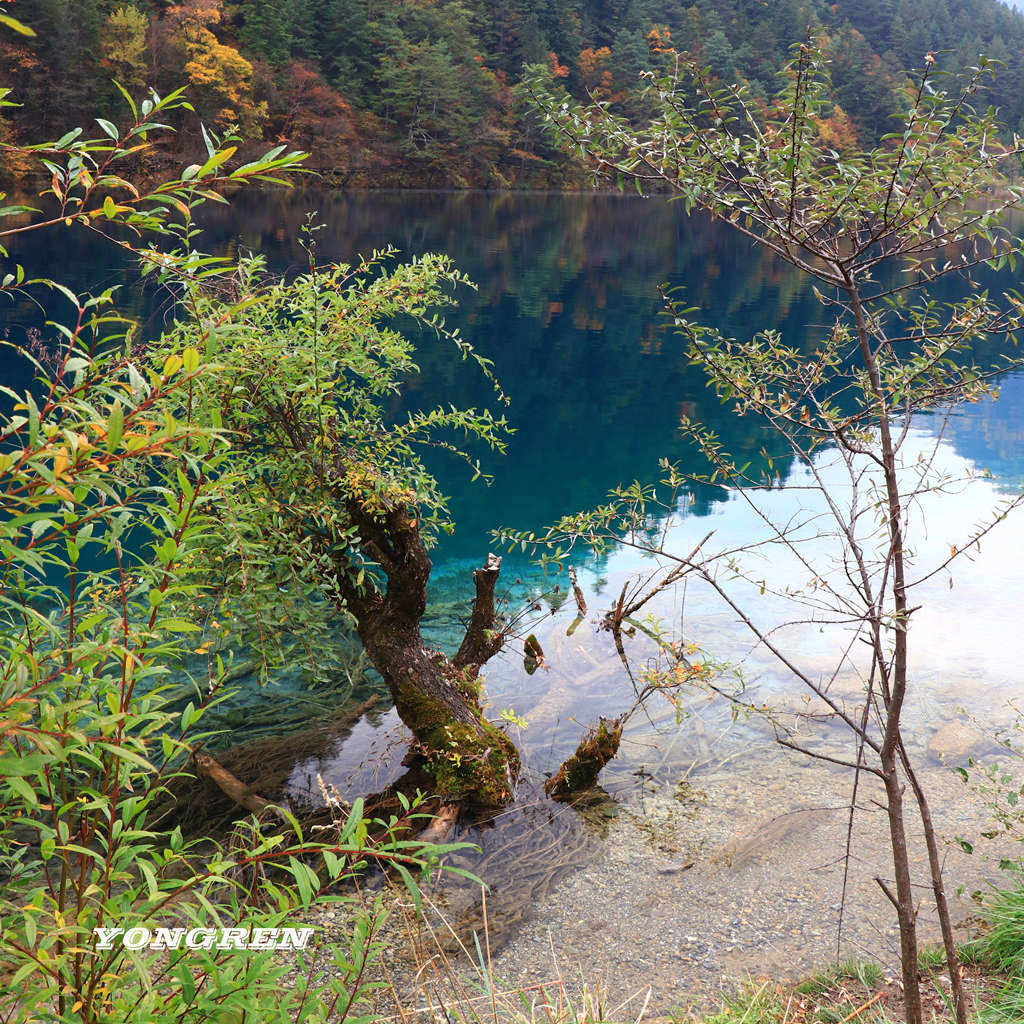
150	876
115	427
16	26
333	865
410	885
20	975
215	161
22	788
177	626
128	99
66	140
301	880
33	421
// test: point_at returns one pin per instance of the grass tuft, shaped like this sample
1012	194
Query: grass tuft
867	972
763	1004
931	958
1002	949
1004	942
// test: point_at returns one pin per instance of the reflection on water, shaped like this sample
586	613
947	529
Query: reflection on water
711	852
567	306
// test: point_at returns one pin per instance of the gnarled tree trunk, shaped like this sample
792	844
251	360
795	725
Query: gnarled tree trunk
438	698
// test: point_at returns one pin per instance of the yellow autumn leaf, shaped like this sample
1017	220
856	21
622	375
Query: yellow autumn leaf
60	462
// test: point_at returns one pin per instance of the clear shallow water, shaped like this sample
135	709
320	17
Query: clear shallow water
568	309
711	854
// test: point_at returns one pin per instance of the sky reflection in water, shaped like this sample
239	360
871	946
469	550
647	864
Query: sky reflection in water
568	308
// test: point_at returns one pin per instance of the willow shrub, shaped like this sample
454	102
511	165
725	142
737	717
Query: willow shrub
110	481
305	374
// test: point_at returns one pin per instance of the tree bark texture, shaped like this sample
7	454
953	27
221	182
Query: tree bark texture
894	682
437	698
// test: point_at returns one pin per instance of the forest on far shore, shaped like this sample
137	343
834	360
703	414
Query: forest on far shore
429	93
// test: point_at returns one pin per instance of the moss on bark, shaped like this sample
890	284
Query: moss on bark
580	771
471	759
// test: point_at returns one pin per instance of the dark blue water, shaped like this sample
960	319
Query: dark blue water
567	306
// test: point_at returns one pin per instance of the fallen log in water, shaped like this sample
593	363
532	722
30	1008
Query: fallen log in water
581	604
230	786
197	803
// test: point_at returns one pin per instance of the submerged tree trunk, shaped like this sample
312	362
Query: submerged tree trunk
438	698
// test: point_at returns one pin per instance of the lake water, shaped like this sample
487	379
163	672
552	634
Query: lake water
710	853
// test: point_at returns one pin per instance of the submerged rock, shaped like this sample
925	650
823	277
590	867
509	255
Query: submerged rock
957	743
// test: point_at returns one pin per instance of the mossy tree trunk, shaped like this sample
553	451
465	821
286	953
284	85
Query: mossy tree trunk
438	698
580	771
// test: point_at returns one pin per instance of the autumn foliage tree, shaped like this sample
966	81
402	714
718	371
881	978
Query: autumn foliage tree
124	46
595	72
433	85
312	115
221	78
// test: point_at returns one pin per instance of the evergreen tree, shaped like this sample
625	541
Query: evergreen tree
446	72
263	29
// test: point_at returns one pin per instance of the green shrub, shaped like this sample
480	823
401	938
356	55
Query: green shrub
110	481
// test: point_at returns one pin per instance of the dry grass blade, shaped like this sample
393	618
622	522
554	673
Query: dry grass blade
461	988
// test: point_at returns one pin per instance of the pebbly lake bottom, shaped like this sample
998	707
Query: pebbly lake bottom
671	891
709	853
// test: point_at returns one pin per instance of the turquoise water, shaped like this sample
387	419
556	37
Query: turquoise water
567	306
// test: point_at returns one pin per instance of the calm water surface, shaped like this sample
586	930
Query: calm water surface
567	307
